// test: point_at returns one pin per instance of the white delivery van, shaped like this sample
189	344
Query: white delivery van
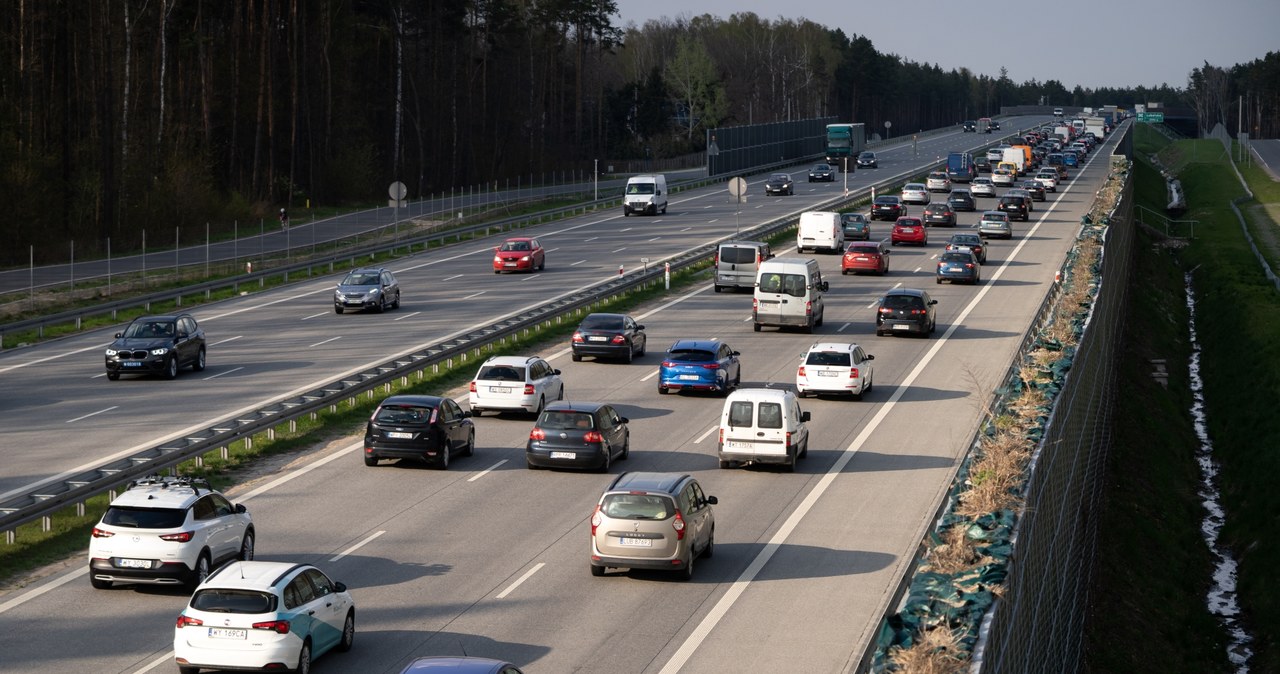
763	425
645	194
820	230
737	263
1015	156
788	292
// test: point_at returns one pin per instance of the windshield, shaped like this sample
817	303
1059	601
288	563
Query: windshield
145	518
150	329
602	323
233	601
780	177
403	414
362	278
690	356
516	245
640	188
791	284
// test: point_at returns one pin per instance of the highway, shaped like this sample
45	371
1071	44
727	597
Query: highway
488	558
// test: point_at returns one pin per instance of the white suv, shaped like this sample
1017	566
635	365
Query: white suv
167	531
835	368
516	383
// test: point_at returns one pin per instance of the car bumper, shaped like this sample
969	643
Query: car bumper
602	350
356	304
660	564
914	239
149	365
782	321
244	658
859	267
991	231
753	457
513	266
849	387
957	276
941	222
420	451
564	457
523	404
910	327
165	573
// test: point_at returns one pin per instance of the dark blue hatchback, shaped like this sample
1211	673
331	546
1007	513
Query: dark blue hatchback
699	364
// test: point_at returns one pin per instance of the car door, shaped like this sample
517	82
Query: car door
228	525
300	604
210	529
800	430
729	360
613	427
862	362
329	610
698	515
538	255
448	422
635	333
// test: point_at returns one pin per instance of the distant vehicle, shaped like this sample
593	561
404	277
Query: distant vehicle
789	293
1031	187
982	187
157	345
906	310
970	242
608	336
822	173
449	664
779	183
995	224
515	383
1002	176
969	126
372	288
887	208
909	230
1015	206
699	364
981	164
578	435
939	214
521	253
844	143
955	265
915	193
736	263
961	167
984	125
868	160
819	231
961	200
835	368
937	181
863	256
763	426
652	521
855	226
645	194
420	428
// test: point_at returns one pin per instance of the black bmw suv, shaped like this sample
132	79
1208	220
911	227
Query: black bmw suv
157	345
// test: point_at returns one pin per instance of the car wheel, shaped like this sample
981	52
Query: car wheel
630	355
626	448
756	327
597	571
477	411
640	353
804	449
382	304
98	584
662	390
348	632
560	395
304	659
710	551
171	368
844	272
542	402
337	309
719	288
370	460
801	393
246	547
809	327
496	271
444	458
470	449
608	457
790	465
938	280
200	572
198	366
726	464
113	376
188	670
686	573
577	358
396	304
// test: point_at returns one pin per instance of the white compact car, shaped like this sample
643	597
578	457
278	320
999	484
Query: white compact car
1047	178
835	368
982	187
263	615
167	531
515	383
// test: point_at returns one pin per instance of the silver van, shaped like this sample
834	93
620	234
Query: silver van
788	292
737	263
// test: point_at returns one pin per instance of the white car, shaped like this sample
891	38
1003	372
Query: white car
938	182
263	615
167	531
835	368
515	383
1048	178
915	193
982	187
1003	177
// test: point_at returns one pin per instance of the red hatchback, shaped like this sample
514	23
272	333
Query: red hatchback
909	230
519	254
863	256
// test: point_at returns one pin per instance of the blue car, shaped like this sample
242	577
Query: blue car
699	364
1070	159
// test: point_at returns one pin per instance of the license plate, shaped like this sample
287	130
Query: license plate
861	259
499	389
733	444
901	326
828	373
688	377
397	435
131	364
134	563
563	455
227	633
508	264
635	542
595	338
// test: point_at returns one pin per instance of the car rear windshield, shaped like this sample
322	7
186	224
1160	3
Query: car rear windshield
887	201
791	284
956	257
638	506
234	601
403	414
737	254
864	249
837	358
502	373
992	217
145	518
690	356
767	414
602	323
563	421
903	302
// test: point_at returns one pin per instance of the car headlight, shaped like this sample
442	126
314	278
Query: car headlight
524	258
112	352
375	291
340	297
160	351
497	258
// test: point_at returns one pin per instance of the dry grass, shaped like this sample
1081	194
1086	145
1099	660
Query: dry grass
955	554
996	475
937	651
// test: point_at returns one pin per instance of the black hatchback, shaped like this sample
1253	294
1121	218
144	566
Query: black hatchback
906	310
419	427
888	208
578	435
608	336
1015	206
157	345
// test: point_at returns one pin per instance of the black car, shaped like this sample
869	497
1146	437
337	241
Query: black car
608	336
157	345
970	125
887	208
375	289
822	173
578	435
993	125
779	183
1033	187
855	226
906	310
867	160
1015	206
962	200
939	213
419	427
982	164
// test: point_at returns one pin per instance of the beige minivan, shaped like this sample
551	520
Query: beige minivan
737	263
652	521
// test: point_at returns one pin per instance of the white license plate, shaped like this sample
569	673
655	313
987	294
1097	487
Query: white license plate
499	389
509	264
596	338
688	377
828	373
227	633
134	563
733	444
132	364
901	326
563	455
861	259
397	435
908	230
635	542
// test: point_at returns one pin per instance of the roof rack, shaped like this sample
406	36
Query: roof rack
173	482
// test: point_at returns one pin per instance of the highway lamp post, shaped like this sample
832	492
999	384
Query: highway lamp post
595	179
846	176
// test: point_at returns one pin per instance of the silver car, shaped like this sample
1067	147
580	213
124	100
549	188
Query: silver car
995	223
938	182
915	193
982	187
652	521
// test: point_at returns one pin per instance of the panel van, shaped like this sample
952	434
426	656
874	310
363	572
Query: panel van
645	194
820	230
788	292
763	425
737	263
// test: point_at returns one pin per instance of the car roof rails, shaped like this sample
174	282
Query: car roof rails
173	482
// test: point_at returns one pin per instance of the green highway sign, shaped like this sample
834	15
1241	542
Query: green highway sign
1150	116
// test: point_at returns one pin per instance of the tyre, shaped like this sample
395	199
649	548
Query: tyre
643	345
444	458
719	288
790	466
198	366
938	280
304	659
608	458
470	449
686	574
804	449
200	572
756	327
477	412
626	448
396	304
171	368
577	358
348	632
597	571
113	376
710	551
382	304
630	356
802	394
542	403
662	390
809	327
726	464
246	547
188	670
370	460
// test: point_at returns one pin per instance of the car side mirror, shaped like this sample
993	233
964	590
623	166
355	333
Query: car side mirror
625	420
118	335
340	587
241	509
555	372
466	414
734	353
711	500
932	302
870	357
804	416
639	327
825	286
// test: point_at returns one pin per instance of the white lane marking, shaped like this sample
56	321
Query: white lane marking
331	339
619	250
748	319
709	432
486	471
521	579
841	329
919	268
708	206
406	316
474	295
653	239
577	263
357	546
686	229
91	414
730	597
530	277
322	313
229	339
450	278
167	657
649	376
591	239
626	229
713	220
215	376
552	250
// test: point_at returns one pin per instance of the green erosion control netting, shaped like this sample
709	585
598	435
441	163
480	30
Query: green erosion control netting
958	601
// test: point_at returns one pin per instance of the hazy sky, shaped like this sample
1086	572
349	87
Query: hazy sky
1093	43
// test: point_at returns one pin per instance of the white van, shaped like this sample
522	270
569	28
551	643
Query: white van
788	292
737	263
763	425
820	230
645	194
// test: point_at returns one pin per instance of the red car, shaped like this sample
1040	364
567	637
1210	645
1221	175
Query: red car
909	230
863	256
519	254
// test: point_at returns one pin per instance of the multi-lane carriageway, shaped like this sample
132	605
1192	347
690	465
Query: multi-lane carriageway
489	558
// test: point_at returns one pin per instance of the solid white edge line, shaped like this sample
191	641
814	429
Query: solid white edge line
357	546
521	579
486	471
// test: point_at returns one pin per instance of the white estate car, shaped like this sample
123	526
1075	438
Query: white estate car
982	187
167	531
915	193
515	383
835	368
263	615
1048	178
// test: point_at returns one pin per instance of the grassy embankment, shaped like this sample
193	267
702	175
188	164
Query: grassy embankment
1148	603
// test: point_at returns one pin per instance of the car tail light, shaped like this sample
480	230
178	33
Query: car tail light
788	440
677	523
808	308
183	537
619	339
968	265
917	312
473	387
716	261
577	337
711	366
187	621
886	310
595	520
755	305
757	257
102	533
277	626
800	372
528	389
853	373
537	434
667	363
592	436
